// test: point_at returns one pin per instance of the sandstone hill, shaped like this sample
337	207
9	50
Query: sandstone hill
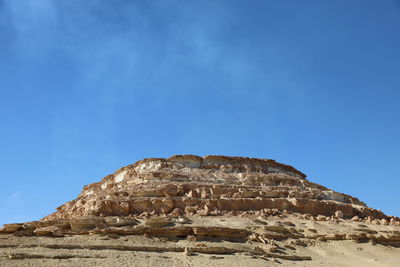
212	210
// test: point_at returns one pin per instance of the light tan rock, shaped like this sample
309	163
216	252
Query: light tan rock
190	210
384	222
11	227
119	221
377	222
192	194
48	231
188	252
157	222
339	214
205	211
276	228
84	223
176	212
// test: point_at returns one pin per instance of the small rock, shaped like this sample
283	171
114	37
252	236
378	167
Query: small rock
176	212
180	220
276	228
369	219
216	257
119	221
288	223
215	212
113	236
157	222
270	248
321	218
394	222
355	219
300	242
377	222
144	214
48	231
190	210
204	193
11	227
188	252
204	212
84	223
290	247
339	214
191	238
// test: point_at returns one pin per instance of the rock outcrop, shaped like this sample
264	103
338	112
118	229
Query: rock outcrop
267	205
217	185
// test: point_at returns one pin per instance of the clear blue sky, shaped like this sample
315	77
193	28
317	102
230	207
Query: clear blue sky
87	87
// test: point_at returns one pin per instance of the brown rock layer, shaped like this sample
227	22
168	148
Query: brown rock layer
188	184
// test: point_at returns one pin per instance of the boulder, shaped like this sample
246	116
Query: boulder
48	231
157	222
11	227
84	223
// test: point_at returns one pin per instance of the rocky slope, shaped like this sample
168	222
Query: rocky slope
257	208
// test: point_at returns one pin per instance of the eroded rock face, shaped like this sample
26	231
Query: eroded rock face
209	185
188	185
267	207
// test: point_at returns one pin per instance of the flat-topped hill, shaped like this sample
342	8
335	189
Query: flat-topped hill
207	205
219	185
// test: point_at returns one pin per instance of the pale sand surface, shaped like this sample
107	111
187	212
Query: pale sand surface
331	253
134	250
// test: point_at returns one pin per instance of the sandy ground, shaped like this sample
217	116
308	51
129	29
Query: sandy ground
136	250
331	253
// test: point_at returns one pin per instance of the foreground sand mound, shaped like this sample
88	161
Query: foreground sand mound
250	211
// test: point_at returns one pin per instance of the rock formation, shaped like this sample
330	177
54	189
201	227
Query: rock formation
218	185
235	199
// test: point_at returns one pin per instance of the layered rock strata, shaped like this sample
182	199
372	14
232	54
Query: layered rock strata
218	185
258	207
